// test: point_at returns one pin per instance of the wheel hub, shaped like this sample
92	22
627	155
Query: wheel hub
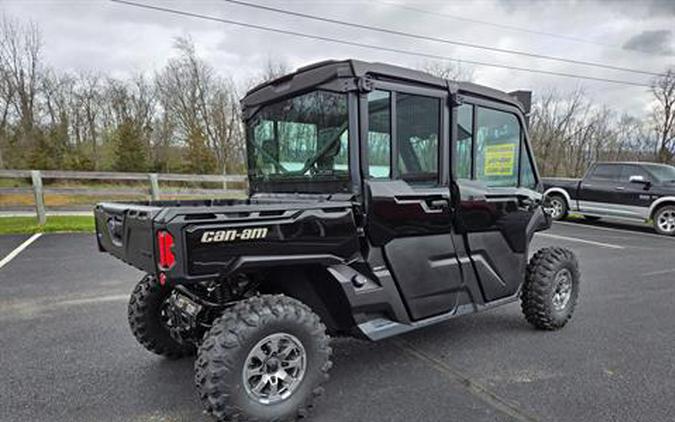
274	368
666	221
563	289
555	209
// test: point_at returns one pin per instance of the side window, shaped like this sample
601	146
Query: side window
527	179
607	172
379	134
341	158
417	133
464	146
497	147
631	170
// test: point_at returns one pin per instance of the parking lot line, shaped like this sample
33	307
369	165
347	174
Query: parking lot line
18	249
661	272
501	404
609	229
574	239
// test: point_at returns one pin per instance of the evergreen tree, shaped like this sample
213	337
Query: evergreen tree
131	154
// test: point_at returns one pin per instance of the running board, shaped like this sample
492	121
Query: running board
381	328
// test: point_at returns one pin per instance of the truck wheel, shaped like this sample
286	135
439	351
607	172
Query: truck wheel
264	359
145	320
664	220
557	207
551	288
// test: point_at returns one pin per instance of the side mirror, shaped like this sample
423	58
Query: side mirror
638	179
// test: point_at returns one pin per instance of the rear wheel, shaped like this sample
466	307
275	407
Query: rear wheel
557	207
664	220
551	288
148	322
264	359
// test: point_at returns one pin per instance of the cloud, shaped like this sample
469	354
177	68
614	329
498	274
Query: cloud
120	40
661	8
655	42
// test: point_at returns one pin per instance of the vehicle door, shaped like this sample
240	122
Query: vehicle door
597	191
496	179
404	140
632	195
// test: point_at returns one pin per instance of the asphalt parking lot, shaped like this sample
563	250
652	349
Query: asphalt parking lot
66	353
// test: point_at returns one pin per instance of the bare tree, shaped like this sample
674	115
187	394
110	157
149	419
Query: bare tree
204	107
663	114
271	69
453	71
6	101
20	59
89	112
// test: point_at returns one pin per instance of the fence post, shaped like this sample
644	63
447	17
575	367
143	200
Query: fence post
36	177
154	186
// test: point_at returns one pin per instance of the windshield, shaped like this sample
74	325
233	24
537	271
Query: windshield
304	138
661	172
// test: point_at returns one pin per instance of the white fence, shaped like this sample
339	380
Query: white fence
153	190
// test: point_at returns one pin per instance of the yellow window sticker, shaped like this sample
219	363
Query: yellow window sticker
499	160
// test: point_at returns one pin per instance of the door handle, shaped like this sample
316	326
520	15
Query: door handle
437	204
526	201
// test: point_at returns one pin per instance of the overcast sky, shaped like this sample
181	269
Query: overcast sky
122	40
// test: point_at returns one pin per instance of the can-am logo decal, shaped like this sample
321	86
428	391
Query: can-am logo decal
232	235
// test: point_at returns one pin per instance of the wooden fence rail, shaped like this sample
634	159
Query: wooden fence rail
153	179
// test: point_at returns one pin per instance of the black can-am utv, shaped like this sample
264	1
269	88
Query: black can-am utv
382	200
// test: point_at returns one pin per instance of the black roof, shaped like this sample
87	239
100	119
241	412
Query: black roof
325	71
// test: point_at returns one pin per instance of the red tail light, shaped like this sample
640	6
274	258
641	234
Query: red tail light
165	248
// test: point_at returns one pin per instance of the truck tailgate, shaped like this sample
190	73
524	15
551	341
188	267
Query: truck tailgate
126	232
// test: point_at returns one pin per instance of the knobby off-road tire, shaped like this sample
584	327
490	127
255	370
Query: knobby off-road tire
551	288
230	353
145	307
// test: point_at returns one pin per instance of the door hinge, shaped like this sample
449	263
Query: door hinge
364	84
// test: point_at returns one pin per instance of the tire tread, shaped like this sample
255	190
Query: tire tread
215	357
539	278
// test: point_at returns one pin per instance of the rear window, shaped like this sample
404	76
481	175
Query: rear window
607	172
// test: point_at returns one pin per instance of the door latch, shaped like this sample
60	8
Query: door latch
437	204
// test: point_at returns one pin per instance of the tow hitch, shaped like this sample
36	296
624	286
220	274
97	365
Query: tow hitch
181	317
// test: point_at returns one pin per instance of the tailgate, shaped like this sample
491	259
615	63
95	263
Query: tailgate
125	231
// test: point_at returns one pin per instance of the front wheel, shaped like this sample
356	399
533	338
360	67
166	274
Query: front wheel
664	220
551	288
264	359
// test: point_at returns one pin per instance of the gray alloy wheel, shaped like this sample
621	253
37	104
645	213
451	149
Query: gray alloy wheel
557	207
274	368
664	221
563	289
264	360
